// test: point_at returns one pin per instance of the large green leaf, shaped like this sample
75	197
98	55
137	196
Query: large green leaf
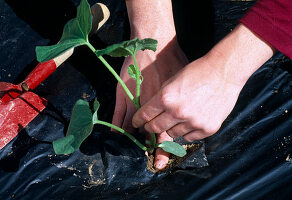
79	129
128	48
173	148
84	18
63	145
75	34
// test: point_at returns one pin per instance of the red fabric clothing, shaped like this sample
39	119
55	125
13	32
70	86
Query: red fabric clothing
272	21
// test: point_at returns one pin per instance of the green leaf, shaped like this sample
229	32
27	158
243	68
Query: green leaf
75	33
128	48
79	129
63	145
46	53
84	18
132	71
173	148
96	106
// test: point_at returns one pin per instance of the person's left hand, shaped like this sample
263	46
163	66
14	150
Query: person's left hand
156	67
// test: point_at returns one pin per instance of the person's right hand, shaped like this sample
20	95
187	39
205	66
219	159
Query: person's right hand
192	104
195	102
156	67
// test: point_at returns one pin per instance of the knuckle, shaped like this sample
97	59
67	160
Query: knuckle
187	139
211	129
177	131
179	113
207	127
153	128
171	133
193	136
193	123
144	116
165	97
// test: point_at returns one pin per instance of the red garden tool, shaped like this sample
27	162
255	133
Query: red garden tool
18	105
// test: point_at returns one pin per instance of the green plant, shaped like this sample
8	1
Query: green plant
75	34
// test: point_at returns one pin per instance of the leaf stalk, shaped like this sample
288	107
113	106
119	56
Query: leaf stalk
123	132
120	81
138	82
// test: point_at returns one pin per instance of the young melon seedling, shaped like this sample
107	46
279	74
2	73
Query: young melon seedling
82	121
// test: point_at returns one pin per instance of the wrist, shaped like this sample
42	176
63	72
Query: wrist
239	55
151	19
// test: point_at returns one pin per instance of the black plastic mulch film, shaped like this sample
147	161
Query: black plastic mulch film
249	157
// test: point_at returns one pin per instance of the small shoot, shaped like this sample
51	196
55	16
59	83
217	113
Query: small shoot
130	48
132	71
75	34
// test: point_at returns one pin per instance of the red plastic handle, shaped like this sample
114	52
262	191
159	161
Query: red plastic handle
39	74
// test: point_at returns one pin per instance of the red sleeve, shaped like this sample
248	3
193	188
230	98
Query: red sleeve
272	21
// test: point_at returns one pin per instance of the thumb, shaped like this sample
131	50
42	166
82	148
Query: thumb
161	156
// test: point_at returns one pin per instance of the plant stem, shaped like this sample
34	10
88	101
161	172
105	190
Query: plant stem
136	101
138	86
138	82
153	140
123	132
121	82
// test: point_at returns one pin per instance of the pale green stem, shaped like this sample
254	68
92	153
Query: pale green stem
138	85
138	82
136	101
153	140
121	82
123	132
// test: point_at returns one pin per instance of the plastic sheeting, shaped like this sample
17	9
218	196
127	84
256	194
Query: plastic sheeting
248	158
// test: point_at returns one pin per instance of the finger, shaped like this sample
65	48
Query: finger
148	111
161	123
127	123
119	113
161	157
179	130
194	135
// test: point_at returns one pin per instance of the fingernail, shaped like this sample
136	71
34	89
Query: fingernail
160	165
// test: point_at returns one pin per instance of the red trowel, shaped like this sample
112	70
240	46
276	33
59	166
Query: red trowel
18	105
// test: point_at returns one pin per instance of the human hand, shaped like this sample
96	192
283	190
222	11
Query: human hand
156	67
150	19
192	104
195	102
